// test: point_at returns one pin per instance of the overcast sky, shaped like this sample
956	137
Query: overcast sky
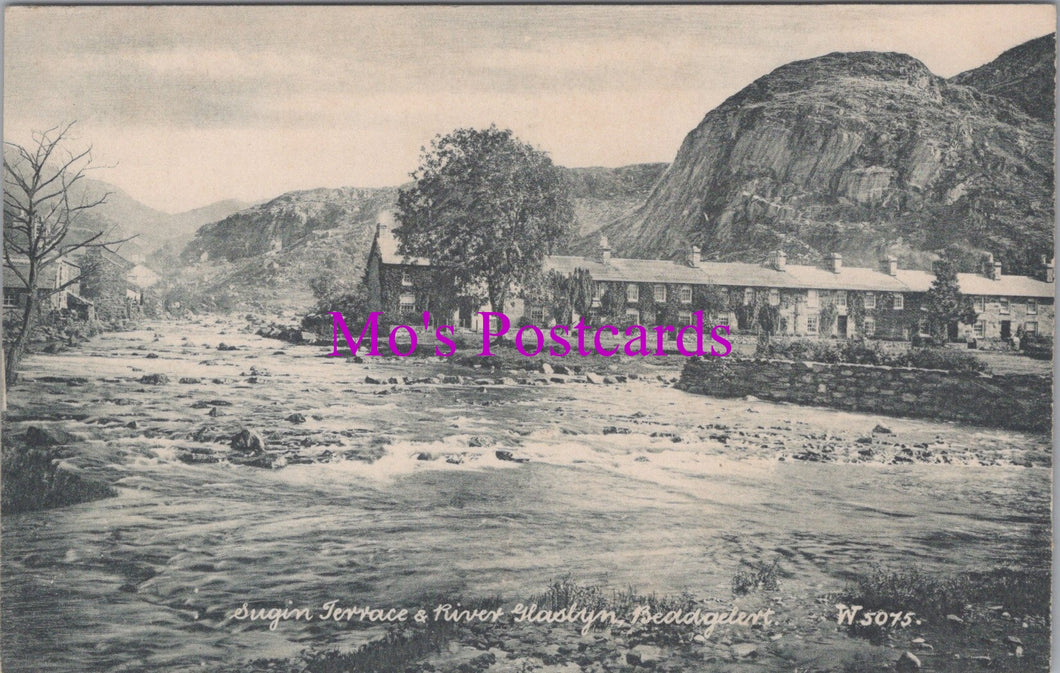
196	104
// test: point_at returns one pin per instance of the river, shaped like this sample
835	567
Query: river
149	580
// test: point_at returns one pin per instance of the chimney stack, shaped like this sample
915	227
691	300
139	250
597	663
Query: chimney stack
889	265
605	249
991	268
778	260
835	262
693	257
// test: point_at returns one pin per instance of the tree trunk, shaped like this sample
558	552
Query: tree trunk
14	352
497	297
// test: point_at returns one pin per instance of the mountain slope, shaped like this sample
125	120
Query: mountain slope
853	152
268	254
1024	75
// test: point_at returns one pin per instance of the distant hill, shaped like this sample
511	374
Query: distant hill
122	216
854	153
1024	75
267	255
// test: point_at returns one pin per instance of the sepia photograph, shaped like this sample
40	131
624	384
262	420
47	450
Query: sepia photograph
527	338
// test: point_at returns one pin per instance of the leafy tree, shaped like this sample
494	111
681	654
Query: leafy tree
487	207
43	201
944	302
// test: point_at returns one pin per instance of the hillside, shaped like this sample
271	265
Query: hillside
123	216
854	153
268	254
1024	75
601	195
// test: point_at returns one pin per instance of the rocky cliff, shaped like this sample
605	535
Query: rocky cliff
854	153
1024	75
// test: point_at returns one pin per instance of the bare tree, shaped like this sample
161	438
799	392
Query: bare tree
42	201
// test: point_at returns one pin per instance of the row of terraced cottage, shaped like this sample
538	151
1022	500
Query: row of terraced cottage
834	300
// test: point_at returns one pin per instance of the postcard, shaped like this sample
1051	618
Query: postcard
549	338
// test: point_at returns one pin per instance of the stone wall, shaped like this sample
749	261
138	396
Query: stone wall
1016	401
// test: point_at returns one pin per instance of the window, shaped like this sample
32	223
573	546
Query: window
841	299
600	290
537	315
899	301
406	279
632	292
633	315
686	294
407	303
1032	307
979	303
979	329
734	297
659	293
812	300
774	297
722	319
9	300
1004	305
811	324
749	295
1030	328
684	317
870	300
870	326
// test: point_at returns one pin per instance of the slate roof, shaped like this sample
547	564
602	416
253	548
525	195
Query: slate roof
796	276
744	274
388	250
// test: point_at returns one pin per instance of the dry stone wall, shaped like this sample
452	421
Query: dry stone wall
1015	401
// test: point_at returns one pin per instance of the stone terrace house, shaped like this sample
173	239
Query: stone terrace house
831	300
53	276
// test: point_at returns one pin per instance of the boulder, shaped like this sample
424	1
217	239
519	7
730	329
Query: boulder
296	418
154	379
40	437
481	441
247	441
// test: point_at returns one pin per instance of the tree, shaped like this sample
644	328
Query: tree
944	302
485	206
43	200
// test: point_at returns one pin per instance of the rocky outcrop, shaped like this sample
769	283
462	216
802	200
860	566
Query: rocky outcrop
1024	75
853	153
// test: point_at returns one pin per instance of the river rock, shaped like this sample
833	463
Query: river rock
882	430
744	650
39	437
296	418
215	412
225	347
593	378
508	457
481	441
247	441
188	380
154	379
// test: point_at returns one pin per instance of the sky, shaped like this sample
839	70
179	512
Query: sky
184	106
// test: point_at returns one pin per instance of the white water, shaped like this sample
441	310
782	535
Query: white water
148	580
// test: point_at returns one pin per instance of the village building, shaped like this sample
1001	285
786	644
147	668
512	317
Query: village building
832	300
58	285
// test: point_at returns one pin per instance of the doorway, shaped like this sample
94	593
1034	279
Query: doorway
1006	329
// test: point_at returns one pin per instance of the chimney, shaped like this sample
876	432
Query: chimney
991	268
778	260
605	249
889	265
835	262
693	257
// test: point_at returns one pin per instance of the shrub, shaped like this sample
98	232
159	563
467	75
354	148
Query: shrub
758	575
